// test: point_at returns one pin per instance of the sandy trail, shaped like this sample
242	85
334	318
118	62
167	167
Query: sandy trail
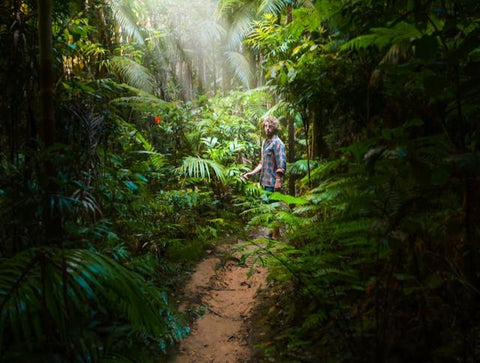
227	296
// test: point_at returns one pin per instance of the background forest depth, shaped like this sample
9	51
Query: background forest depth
126	126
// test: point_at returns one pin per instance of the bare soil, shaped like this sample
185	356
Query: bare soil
222	291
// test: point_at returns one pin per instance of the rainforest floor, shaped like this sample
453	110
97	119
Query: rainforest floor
222	294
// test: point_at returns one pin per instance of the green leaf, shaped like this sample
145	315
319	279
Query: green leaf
141	177
131	185
287	198
197	167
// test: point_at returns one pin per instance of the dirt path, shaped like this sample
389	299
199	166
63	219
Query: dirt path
226	295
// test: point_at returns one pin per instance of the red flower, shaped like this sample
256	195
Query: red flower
158	119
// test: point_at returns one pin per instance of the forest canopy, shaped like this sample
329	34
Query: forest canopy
126	127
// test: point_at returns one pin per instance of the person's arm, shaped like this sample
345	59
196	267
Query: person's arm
281	162
253	172
259	166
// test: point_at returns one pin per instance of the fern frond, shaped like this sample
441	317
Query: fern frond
287	198
382	37
328	9
157	159
324	169
352	228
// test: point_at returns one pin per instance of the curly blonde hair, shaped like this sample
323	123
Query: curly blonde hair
273	121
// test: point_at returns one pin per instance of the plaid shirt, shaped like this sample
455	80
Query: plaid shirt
273	161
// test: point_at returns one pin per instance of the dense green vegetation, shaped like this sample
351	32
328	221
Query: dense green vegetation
126	127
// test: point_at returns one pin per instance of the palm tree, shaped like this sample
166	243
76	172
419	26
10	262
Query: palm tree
241	16
187	37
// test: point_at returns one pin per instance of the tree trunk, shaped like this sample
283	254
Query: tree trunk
214	70
47	116
316	136
226	78
260	68
306	129
291	128
252	60
188	77
201	74
180	79
291	153
319	147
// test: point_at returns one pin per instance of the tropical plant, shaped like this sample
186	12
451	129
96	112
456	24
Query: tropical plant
378	264
71	304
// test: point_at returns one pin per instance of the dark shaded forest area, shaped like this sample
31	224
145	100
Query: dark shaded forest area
126	127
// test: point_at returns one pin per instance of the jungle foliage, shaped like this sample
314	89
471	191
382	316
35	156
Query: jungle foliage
107	196
383	247
98	223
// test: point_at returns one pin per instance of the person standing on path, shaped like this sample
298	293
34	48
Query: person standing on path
273	163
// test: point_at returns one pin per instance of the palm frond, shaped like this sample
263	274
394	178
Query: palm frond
134	73
272	6
300	167
123	11
226	5
86	201
197	167
241	24
241	67
55	293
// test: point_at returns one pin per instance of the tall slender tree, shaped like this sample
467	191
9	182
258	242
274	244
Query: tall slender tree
47	113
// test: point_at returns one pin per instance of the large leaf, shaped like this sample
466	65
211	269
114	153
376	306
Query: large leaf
287	198
197	167
134	73
64	295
